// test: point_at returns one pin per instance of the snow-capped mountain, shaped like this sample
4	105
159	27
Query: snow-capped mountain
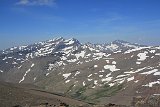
92	72
116	46
16	56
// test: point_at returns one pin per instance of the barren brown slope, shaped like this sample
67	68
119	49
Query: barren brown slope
13	95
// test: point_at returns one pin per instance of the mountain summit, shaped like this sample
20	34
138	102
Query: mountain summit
101	73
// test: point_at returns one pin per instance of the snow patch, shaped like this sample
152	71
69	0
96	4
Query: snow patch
14	62
95	66
111	84
19	67
95	82
84	83
136	49
63	58
157	73
77	72
102	70
142	56
69	42
136	81
20	54
111	68
152	51
138	63
22	47
112	46
130	79
119	81
120	76
25	75
90	75
13	48
66	75
114	62
47	74
100	76
94	87
90	79
107	61
72	60
35	78
150	72
138	70
106	79
151	84
32	65
67	81
82	54
158	54
4	58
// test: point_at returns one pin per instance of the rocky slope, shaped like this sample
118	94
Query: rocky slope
96	73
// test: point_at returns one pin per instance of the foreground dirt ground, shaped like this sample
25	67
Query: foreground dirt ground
15	95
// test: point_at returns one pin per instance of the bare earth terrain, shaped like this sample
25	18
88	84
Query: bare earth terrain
13	95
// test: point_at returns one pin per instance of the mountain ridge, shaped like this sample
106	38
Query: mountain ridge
100	73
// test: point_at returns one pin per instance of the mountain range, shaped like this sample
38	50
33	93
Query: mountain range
95	73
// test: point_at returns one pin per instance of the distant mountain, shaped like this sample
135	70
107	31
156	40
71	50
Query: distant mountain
99	73
117	45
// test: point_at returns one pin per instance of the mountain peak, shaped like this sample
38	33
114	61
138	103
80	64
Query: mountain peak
71	41
116	65
119	41
55	39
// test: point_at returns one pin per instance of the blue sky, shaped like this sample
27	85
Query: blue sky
96	21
